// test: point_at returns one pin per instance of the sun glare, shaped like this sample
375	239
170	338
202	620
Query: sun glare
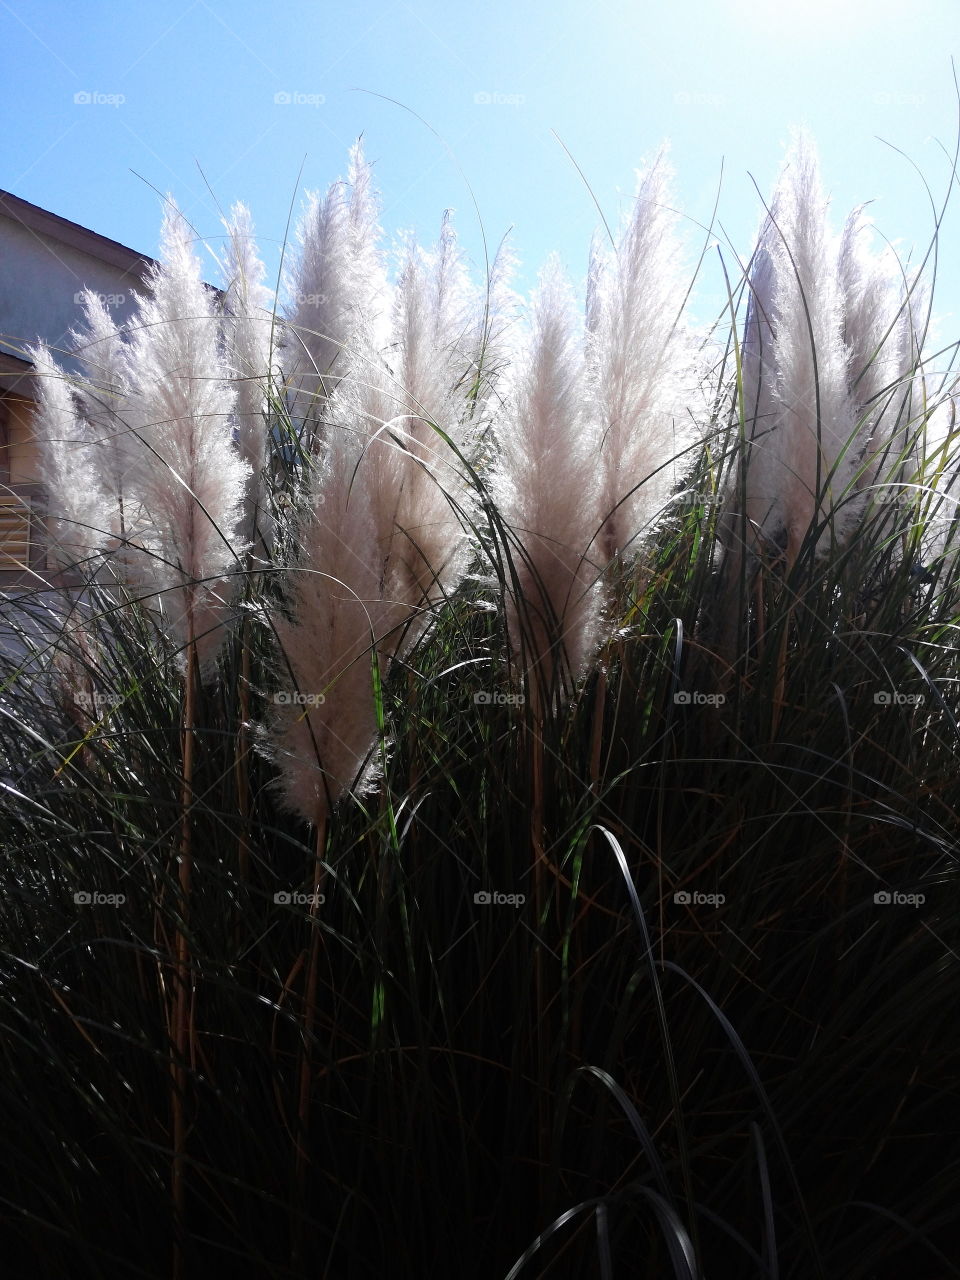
825	21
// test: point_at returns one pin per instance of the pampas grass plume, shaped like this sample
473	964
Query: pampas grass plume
68	465
190	478
638	366
336	286
324	721
545	489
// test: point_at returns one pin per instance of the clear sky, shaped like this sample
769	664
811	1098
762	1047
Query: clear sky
103	102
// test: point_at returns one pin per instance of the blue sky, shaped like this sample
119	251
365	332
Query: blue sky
102	103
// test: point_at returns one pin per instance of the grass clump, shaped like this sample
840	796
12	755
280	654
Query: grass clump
488	901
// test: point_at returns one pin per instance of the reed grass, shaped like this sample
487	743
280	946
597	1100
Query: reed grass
680	1033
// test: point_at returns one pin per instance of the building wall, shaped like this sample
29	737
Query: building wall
45	263
40	282
23	523
19	462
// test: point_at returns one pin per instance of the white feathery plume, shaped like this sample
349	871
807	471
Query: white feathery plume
817	418
894	448
546	491
190	478
374	536
763	496
637	367
801	453
363	410
752	509
869	311
368	277
68	466
248	329
599	265
753	512
455	311
434	322
325	722
104	354
496	307
335	285
316	325
880	337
